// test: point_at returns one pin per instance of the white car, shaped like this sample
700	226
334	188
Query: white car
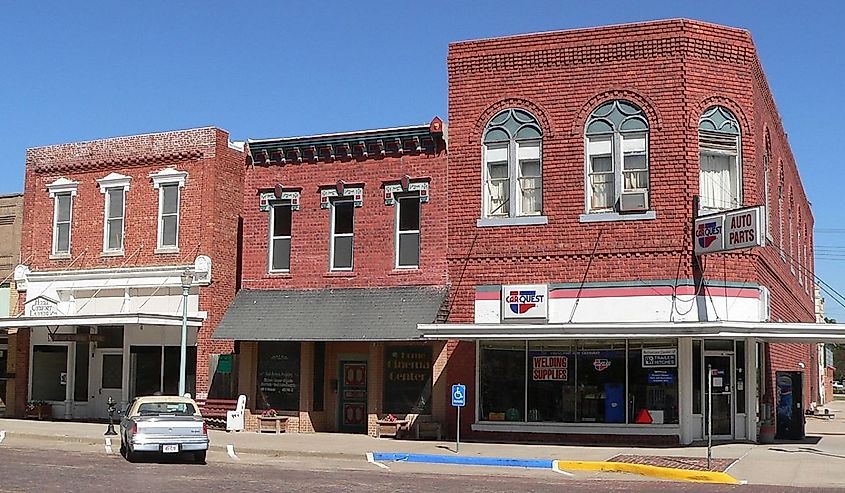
838	388
163	425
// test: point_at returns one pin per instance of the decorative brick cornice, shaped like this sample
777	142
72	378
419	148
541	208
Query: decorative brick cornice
62	166
655	122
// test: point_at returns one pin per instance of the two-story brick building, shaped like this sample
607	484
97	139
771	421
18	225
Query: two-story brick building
11	215
580	310
344	253
110	228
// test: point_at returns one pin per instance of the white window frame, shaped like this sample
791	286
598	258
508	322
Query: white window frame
736	188
397	232
114	181
333	235
62	187
273	237
169	176
617	163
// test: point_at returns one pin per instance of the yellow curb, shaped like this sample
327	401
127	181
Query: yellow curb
646	470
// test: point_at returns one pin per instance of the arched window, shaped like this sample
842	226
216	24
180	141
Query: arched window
617	158
719	153
513	165
767	157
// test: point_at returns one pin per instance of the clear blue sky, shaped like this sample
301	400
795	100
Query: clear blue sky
99	69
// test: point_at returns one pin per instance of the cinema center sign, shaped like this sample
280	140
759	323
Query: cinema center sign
730	230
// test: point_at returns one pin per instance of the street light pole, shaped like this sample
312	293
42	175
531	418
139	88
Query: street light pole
187	280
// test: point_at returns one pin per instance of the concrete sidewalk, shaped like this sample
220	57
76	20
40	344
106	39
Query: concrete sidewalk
817	461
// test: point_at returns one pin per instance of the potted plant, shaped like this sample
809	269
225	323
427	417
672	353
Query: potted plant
39	410
269	413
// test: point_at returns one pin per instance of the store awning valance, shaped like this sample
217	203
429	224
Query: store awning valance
765	331
103	319
350	314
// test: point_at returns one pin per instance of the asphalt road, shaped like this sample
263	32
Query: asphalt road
46	470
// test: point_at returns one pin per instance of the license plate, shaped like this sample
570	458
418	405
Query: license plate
170	449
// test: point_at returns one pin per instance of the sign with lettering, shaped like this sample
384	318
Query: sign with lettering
224	363
549	366
77	337
656	358
278	376
730	230
42	307
525	301
407	379
661	377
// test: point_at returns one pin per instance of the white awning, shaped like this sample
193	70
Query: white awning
765	331
105	319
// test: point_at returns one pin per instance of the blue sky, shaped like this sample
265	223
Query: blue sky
265	69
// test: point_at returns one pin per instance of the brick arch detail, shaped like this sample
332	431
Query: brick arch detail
655	122
728	103
512	102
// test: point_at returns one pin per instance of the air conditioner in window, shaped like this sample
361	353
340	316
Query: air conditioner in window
633	201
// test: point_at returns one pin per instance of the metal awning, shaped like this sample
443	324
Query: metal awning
765	331
343	314
103	319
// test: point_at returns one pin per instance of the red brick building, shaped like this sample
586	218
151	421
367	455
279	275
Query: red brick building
109	228
574	159
344	253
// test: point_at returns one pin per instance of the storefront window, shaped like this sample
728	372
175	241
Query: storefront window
551	382
653	383
407	379
80	375
601	382
278	376
740	377
502	367
49	373
696	377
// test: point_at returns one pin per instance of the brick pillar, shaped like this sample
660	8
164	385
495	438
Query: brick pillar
375	386
21	372
306	387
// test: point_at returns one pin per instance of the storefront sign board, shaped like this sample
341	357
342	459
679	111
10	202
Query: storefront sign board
657	358
730	230
525	301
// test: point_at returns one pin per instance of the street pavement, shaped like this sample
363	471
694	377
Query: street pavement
815	462
50	470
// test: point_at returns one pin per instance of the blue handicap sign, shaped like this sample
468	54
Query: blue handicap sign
459	395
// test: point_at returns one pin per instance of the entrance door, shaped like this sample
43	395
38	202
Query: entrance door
107	380
353	396
721	368
790	412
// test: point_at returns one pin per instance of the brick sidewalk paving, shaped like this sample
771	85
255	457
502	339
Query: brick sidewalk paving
688	463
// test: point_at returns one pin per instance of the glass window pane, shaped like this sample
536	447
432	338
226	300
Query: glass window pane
281	254
344	212
170	202
172	358
113	335
529	168
115	240
532	195
528	150
634	161
502	379
342	252
115	202
653	387
551	382
80	372
144	370
277	376
601	164
112	371
740	377
498	170
168	230
63	206
409	214
635	180
281	220
601	382
603	191
409	249
48	365
63	238
696	377
497	153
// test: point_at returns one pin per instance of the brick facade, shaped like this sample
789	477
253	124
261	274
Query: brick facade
674	70
209	212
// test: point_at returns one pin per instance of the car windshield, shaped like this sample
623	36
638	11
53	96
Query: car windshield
166	408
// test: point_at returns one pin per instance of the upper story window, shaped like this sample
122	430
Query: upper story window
114	187
617	158
719	152
62	192
342	232
280	235
513	165
408	232
169	183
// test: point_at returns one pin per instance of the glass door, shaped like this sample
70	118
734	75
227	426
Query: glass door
353	397
721	372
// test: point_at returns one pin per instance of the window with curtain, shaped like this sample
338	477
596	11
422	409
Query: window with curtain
617	156
513	165
720	185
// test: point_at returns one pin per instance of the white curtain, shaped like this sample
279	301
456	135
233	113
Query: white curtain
530	178
602	177
716	184
498	181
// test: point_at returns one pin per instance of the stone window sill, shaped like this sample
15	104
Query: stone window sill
166	250
113	253
615	216
494	222
348	274
60	256
280	274
401	272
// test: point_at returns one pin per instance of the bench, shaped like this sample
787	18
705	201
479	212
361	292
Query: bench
215	411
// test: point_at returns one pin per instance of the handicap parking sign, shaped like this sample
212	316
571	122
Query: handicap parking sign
459	395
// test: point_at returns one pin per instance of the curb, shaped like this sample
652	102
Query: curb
650	471
461	460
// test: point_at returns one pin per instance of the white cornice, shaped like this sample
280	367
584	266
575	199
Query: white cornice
114	180
62	185
169	175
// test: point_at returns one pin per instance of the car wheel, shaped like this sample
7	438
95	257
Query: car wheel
131	456
199	457
122	449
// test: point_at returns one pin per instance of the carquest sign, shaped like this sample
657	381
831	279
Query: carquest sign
730	230
525	301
